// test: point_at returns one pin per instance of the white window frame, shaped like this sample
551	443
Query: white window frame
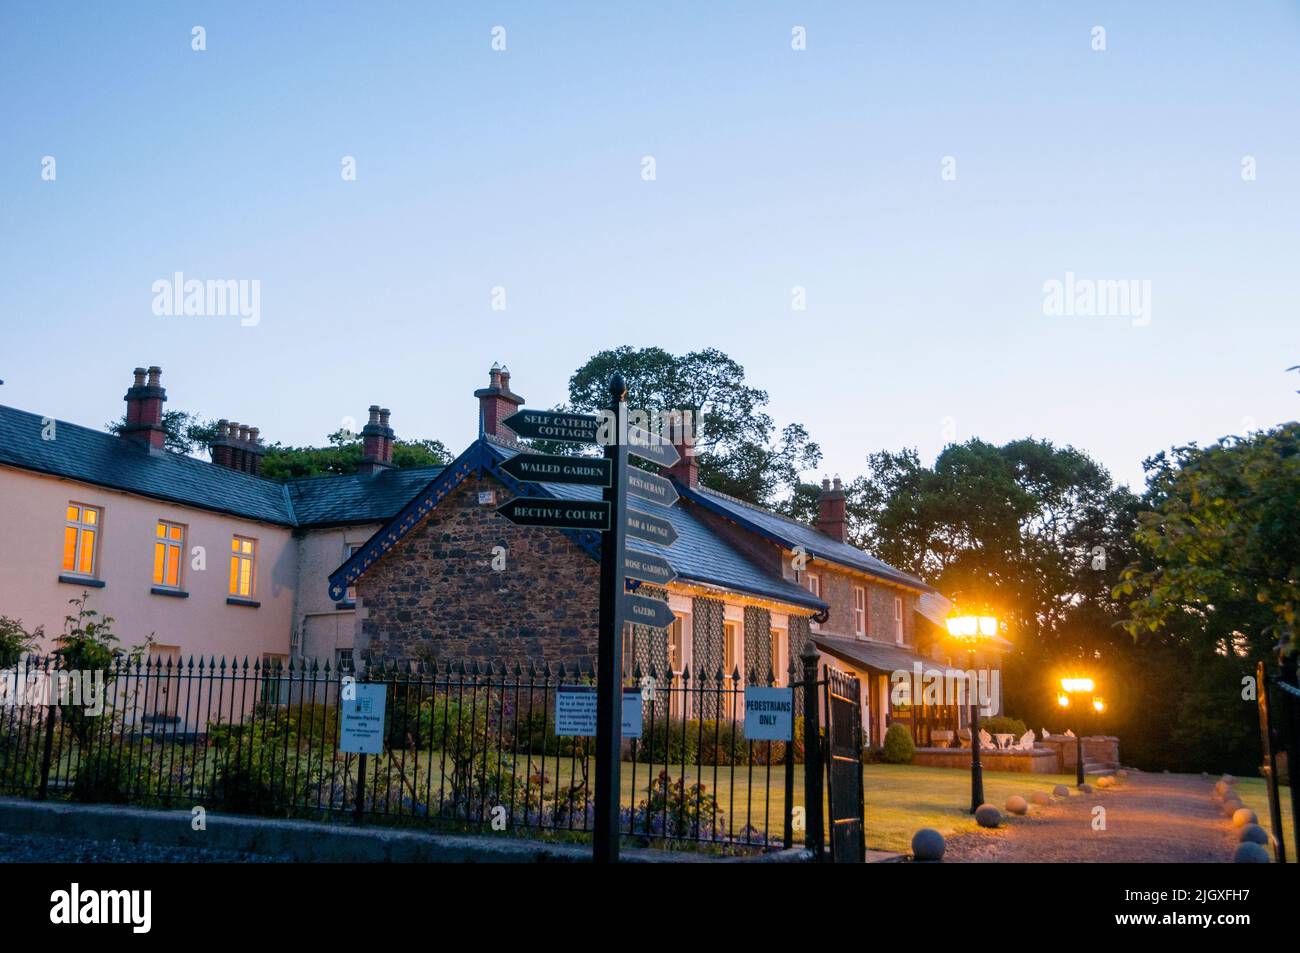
898	619
82	527
251	558
780	639
168	542
860	611
813	583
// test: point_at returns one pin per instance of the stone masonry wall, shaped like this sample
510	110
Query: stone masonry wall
436	596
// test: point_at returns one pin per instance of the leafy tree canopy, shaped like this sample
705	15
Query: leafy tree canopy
343	455
183	432
738	447
1220	543
191	434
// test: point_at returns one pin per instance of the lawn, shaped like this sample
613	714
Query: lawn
901	799
1254	794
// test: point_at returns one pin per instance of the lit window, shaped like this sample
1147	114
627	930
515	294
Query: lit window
675	649
80	537
860	611
168	547
243	566
730	633
778	670
898	619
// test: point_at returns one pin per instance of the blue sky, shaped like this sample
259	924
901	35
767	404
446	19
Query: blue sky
775	168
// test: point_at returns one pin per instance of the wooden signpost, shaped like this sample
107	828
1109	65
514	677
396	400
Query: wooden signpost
616	523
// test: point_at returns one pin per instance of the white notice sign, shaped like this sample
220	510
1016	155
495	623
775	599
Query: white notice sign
361	730
575	712
769	714
631	713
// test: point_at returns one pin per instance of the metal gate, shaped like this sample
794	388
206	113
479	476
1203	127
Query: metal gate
844	767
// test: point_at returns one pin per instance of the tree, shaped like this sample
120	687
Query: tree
343	456
183	432
1038	532
191	434
738	448
1220	544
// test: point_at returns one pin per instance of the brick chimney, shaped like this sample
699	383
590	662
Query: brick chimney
831	516
238	447
144	409
496	402
685	471
376	442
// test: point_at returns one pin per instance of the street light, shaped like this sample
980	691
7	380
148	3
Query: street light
1069	688
971	631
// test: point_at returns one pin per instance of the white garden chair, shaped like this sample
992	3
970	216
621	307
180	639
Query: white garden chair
1026	741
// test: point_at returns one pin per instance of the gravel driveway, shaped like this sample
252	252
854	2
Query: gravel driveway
1150	818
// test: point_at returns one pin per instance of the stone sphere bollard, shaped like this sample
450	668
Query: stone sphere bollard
1105	781
1121	773
1017	805
986	815
928	844
1249	853
1085	788
1221	788
1040	797
1231	805
1253	834
1060	791
1243	816
1228	780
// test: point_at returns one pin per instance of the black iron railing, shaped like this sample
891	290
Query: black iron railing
467	747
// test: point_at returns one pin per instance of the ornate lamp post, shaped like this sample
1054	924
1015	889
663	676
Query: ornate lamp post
971	631
1069	688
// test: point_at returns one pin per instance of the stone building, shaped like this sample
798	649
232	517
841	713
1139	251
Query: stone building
212	559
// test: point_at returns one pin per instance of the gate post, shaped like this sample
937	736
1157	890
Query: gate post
815	838
1270	761
1290	684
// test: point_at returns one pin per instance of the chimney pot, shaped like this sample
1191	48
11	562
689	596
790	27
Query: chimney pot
376	442
144	409
832	516
496	402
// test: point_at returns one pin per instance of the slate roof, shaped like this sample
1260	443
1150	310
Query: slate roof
102	459
790	533
699	554
873	655
356	498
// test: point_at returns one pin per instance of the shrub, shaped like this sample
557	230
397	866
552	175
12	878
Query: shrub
898	748
113	774
1003	725
15	641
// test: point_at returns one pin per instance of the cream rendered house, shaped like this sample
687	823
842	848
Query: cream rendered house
204	559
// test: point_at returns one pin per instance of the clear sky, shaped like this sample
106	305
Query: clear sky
775	168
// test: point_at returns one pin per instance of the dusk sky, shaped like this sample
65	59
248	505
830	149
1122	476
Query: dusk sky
1170	157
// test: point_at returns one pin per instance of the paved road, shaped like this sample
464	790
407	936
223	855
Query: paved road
1150	818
